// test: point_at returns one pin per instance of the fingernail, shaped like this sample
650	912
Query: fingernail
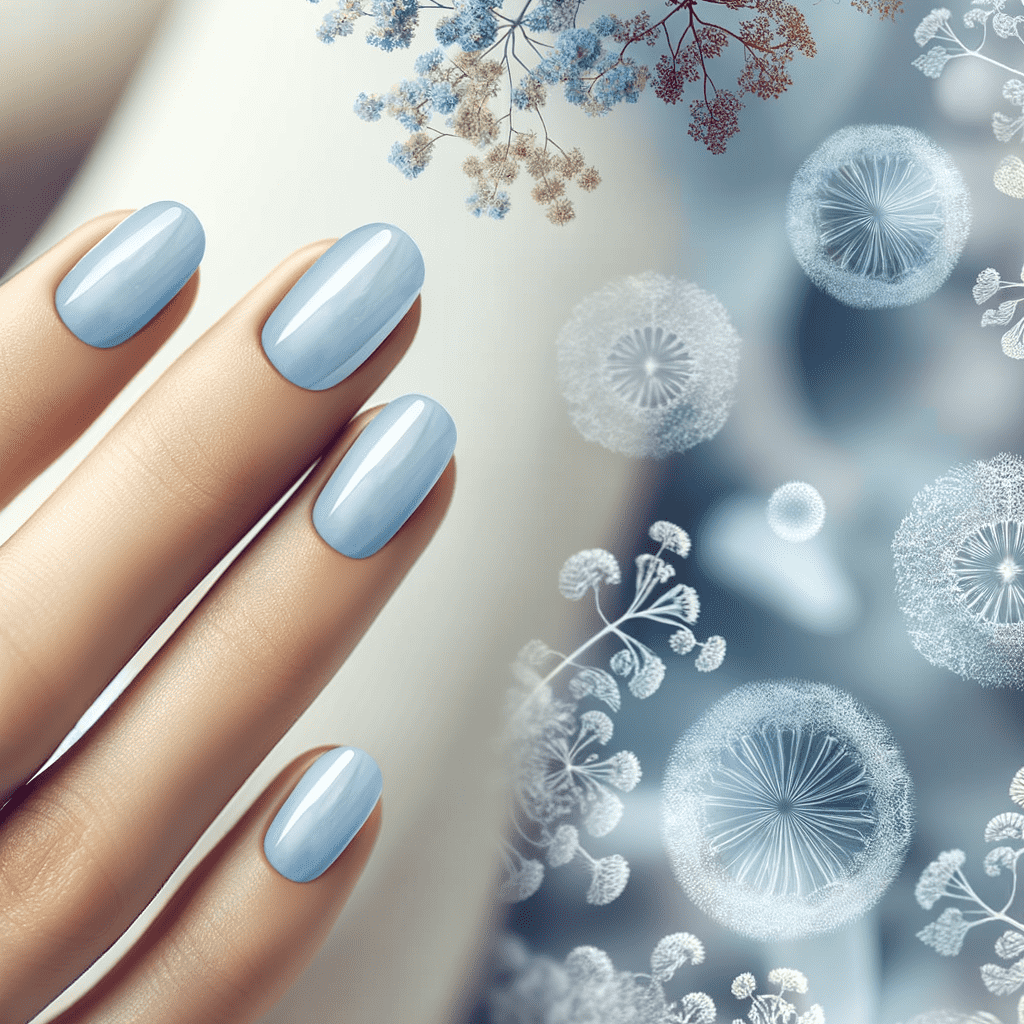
344	306
128	276
385	475
323	813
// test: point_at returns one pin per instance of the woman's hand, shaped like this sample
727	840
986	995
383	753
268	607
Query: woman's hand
194	464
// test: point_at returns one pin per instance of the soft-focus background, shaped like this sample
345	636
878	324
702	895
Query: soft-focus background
239	112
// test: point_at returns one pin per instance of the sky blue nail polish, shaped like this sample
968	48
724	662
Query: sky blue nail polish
128	276
344	306
323	813
385	475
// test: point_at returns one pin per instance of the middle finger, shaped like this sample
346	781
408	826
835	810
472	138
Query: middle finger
187	472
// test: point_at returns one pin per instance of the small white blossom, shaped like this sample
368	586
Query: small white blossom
931	63
673	538
931	886
712	654
672	952
998	859
682	641
1002	981
946	935
608	880
563	846
697	1008
744	986
587	569
931	25
1009	825
788	980
589	964
1010	945
986	286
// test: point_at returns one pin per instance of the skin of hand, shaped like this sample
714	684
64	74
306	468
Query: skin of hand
192	466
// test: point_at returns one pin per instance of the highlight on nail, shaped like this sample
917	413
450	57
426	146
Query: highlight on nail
124	280
323	813
384	476
341	309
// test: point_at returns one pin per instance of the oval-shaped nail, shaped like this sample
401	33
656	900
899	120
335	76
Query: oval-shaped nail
385	475
344	306
323	813
129	275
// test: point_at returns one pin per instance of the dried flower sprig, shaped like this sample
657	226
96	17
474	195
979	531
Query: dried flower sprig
489	78
558	772
587	988
944	878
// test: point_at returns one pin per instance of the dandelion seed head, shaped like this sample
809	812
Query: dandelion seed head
877	216
796	512
786	810
648	365
959	561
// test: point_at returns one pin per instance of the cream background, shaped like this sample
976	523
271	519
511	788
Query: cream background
238	111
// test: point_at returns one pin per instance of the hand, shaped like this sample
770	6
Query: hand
193	465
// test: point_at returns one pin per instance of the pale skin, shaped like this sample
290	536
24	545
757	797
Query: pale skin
173	486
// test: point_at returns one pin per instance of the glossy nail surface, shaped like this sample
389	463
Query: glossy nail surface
323	813
344	306
124	280
384	476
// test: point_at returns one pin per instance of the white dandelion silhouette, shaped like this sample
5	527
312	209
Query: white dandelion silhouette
878	216
786	809
796	512
648	365
959	559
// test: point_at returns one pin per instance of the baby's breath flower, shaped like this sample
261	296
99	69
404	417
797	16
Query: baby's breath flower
561	211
